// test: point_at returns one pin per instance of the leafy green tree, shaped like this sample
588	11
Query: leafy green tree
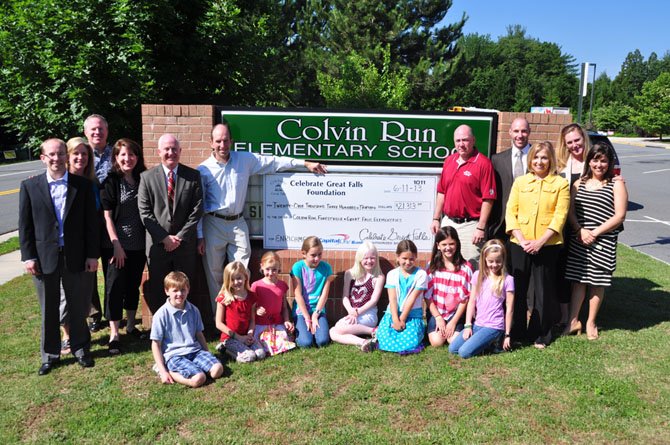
628	83
514	73
603	94
324	33
64	59
614	116
361	85
653	110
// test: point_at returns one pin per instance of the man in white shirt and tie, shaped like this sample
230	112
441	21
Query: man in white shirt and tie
509	165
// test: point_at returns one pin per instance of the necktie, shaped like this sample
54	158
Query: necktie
170	188
518	165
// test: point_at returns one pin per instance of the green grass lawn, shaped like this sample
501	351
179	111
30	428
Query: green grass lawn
10	245
613	390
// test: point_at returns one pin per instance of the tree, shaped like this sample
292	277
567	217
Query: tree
64	59
325	33
614	116
361	85
653	111
628	83
603	91
514	73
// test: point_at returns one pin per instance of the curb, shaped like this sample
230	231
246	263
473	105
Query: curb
642	144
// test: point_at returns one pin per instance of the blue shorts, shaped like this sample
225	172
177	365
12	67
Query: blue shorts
191	364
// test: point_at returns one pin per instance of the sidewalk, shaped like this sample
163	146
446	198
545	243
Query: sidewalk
642	142
10	264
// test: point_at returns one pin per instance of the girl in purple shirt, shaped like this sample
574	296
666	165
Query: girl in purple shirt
492	291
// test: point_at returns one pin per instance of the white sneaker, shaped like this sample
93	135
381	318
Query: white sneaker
220	347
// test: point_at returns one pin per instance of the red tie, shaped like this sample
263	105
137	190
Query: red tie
170	188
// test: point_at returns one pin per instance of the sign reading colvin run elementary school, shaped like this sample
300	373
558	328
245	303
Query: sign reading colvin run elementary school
356	137
371	193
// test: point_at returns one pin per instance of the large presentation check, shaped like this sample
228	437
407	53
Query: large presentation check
345	210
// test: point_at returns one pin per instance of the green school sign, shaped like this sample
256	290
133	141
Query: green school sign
356	137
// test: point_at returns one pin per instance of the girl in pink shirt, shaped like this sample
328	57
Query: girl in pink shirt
273	321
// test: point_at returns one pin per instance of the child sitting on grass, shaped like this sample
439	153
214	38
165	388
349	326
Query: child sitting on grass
177	342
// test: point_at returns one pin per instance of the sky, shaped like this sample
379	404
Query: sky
598	31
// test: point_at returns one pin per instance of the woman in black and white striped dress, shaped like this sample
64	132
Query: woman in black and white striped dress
597	211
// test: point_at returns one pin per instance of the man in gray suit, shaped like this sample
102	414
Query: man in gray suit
508	165
59	237
170	203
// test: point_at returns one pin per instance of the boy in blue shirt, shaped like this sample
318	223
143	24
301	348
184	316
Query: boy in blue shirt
177	342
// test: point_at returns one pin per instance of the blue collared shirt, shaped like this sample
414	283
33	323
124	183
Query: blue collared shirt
58	192
103	163
176	329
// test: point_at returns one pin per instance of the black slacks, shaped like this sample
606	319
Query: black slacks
538	270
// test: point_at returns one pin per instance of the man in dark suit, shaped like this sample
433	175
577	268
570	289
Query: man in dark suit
170	203
508	165
59	237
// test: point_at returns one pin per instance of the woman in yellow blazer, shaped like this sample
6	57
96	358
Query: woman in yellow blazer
536	212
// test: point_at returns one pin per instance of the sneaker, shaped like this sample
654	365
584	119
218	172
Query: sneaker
369	345
220	347
374	333
65	347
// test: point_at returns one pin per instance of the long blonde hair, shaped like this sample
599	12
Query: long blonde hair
497	281
231	269
357	270
562	152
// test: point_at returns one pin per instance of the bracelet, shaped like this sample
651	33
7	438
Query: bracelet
479	228
232	335
436	219
467	326
507	336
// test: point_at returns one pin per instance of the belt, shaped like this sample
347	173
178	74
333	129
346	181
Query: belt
226	217
462	220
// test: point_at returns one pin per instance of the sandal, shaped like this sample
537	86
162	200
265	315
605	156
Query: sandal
574	329
114	347
65	347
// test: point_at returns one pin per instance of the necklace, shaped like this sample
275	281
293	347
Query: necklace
593	184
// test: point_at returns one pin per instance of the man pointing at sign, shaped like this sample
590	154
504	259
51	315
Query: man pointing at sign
222	231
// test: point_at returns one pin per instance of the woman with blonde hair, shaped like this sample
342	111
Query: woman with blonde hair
536	212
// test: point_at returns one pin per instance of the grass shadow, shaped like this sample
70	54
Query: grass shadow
634	304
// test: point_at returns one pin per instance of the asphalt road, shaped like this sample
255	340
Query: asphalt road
11	176
645	169
647	174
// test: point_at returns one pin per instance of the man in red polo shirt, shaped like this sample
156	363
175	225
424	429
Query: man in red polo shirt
465	194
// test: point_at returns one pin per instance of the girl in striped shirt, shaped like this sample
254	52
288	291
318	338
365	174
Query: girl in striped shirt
449	277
